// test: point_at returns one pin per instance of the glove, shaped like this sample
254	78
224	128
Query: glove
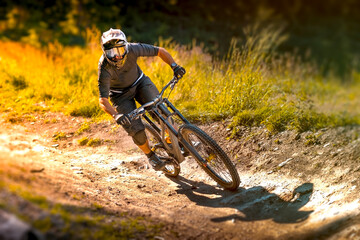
179	71
122	119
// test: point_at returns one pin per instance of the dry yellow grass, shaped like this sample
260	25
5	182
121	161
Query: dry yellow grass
253	85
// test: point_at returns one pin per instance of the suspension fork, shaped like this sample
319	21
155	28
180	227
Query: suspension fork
169	127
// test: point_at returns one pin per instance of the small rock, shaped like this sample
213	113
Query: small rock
141	185
76	168
285	162
37	170
113	168
12	227
159	238
326	145
55	145
78	172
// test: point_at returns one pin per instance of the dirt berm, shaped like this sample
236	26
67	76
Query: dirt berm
293	186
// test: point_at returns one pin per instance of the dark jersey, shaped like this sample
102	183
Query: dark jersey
112	78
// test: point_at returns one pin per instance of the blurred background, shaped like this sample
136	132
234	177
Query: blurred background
280	64
326	31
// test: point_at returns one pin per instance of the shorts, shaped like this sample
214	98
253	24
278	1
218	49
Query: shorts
143	92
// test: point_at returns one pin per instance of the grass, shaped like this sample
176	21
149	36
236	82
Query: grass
252	86
85	126
60	221
91	142
59	136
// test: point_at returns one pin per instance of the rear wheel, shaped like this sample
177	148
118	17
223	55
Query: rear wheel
172	167
210	157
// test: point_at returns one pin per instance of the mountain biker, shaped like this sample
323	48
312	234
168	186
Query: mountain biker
121	79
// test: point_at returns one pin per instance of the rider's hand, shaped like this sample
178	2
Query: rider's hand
122	119
179	71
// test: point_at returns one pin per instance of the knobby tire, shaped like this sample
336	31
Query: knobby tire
211	157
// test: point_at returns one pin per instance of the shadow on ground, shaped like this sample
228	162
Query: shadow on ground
253	204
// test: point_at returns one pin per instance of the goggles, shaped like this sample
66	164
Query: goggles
116	51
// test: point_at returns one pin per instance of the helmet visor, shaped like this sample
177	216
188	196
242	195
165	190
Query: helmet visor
115	52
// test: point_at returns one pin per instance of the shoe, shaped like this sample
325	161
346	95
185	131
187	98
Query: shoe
156	163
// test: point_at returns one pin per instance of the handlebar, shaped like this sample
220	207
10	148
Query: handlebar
141	110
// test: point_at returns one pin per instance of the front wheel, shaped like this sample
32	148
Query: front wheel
210	157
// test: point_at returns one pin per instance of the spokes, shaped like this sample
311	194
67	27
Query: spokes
211	160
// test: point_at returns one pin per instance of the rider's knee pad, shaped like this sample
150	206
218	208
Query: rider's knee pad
139	138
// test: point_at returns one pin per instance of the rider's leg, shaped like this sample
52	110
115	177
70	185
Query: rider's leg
141	141
124	103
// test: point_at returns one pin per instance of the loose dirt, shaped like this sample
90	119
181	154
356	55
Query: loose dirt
293	186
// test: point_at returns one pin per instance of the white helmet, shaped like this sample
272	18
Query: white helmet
114	46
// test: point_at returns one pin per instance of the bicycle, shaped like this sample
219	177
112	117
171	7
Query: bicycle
172	137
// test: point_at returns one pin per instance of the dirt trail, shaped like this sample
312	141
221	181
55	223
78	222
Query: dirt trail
291	188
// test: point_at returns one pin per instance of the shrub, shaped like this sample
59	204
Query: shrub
83	128
59	136
94	142
83	141
18	82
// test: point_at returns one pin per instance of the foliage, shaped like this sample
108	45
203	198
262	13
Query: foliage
94	142
253	85
91	142
85	126
59	136
330	31
83	141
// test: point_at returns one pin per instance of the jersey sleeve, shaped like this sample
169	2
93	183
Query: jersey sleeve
103	80
144	50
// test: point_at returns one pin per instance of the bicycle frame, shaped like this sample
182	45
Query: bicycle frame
163	105
160	108
185	139
165	112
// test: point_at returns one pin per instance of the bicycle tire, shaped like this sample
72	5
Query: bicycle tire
172	168
211	157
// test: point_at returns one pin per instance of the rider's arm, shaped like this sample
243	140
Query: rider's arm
165	56
106	106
